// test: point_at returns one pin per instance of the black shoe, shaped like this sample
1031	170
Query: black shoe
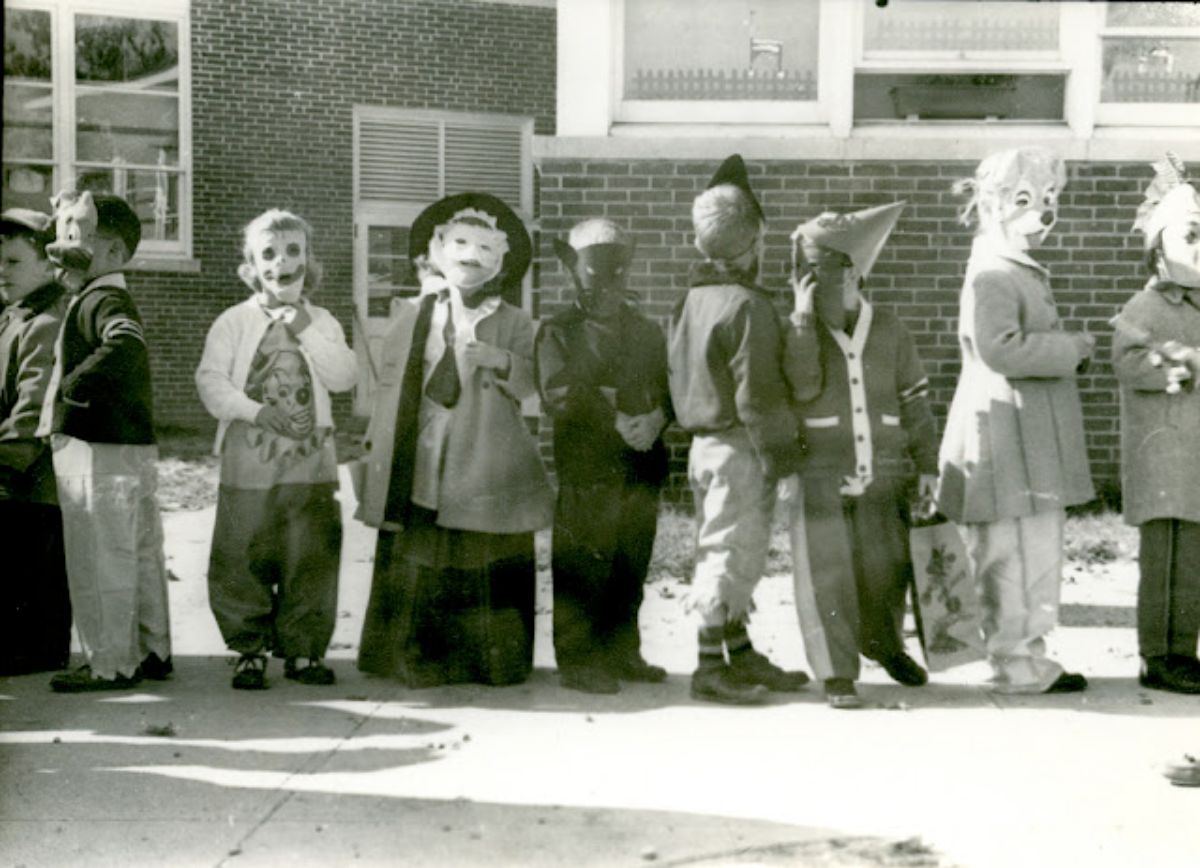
82	680
841	693
748	668
904	670
1171	672
633	668
588	679
250	672
155	668
314	673
717	685
1068	682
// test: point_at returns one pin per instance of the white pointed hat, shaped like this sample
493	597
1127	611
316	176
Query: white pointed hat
859	234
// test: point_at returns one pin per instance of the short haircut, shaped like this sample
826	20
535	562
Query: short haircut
726	222
115	219
37	240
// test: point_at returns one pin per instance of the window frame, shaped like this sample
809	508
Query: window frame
151	253
1115	114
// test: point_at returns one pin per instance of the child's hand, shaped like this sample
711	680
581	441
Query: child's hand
787	488
481	355
297	319
273	419
805	293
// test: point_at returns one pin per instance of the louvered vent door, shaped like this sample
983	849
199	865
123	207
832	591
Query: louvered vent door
398	161
487	159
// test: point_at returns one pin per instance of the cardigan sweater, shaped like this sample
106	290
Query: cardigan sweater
229	351
872	416
1160	464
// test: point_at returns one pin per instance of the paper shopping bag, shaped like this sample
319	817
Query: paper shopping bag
945	602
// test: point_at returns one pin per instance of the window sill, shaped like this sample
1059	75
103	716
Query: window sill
175	264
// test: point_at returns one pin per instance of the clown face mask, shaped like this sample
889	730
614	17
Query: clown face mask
467	254
279	257
1180	252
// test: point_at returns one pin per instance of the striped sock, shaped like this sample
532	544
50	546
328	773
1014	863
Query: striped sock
711	655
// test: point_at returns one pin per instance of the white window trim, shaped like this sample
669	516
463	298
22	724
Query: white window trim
591	119
1142	113
151	253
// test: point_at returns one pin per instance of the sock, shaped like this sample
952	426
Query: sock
737	640
711	655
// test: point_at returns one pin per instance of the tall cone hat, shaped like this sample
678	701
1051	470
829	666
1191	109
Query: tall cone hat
859	234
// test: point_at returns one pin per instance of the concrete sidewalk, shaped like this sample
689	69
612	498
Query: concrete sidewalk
190	772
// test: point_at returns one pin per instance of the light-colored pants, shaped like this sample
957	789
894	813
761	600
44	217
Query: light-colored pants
1017	564
734	504
113	541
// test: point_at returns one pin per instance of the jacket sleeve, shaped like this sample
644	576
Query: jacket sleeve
19	448
112	325
802	358
569	388
1002	342
333	362
912	392
1131	351
760	391
214	376
519	383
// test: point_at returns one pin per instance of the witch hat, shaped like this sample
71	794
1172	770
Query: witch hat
859	234
733	171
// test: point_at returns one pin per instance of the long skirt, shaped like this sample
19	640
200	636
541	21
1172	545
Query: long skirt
35	612
450	606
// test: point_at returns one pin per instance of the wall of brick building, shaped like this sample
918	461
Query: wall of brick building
1094	260
273	89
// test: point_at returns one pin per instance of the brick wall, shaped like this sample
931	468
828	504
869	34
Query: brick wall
273	89
1095	262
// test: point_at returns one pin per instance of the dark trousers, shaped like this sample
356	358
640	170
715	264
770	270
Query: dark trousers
273	572
1168	605
35	607
603	538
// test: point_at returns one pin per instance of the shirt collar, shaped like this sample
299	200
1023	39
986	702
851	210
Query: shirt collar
113	278
38	300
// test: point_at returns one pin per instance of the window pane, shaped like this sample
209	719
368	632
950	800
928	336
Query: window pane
27	117
131	127
958	97
1152	15
28	186
26	44
1151	70
144	54
153	195
721	49
951	25
388	270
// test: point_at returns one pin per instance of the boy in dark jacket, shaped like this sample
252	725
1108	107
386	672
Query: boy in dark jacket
98	414
602	374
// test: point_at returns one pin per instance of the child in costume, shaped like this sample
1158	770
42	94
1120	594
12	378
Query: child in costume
453	479
268	367
1156	356
35	614
730	390
99	415
1013	457
602	373
869	433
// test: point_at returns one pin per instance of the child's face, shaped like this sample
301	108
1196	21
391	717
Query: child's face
1181	251
279	257
470	255
22	270
837	280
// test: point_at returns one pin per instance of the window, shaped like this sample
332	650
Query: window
686	60
1150	63
934	60
96	97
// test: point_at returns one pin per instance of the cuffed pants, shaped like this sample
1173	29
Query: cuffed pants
852	570
734	503
1017	563
113	542
1168	604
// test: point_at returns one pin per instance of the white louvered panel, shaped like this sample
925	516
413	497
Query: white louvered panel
487	159
398	160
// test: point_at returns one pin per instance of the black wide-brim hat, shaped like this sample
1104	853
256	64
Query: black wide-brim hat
520	246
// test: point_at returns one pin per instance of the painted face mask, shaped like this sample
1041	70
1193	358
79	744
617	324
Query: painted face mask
1015	195
468	255
1028	213
279	257
1181	251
